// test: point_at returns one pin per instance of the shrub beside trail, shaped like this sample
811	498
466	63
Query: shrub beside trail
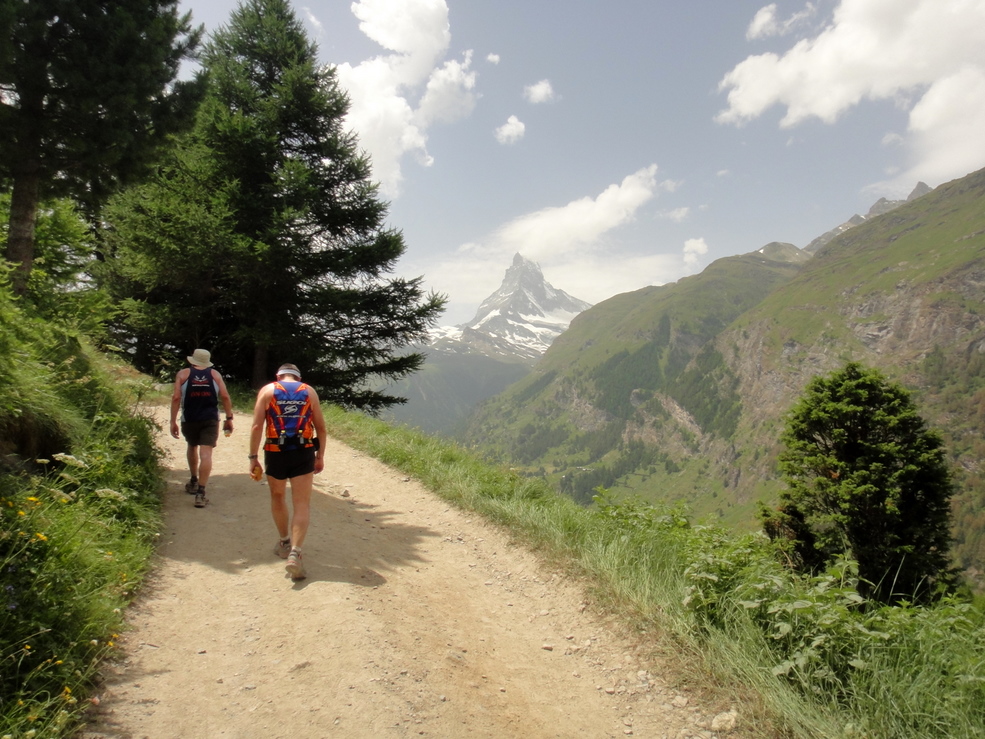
79	502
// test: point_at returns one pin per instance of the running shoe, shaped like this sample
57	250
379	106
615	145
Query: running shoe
200	499
282	548
294	567
191	487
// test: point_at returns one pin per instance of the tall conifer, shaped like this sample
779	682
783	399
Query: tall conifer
302	261
88	92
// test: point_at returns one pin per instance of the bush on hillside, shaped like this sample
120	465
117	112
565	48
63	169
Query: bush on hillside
866	479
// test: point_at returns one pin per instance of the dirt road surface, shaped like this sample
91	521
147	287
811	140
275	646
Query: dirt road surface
416	619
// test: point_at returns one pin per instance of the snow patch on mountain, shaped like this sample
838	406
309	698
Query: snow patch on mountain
519	321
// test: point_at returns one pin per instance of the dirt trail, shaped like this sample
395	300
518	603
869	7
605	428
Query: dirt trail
416	620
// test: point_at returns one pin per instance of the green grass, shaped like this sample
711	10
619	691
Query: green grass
79	513
807	657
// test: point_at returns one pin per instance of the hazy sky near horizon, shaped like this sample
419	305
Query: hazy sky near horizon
628	143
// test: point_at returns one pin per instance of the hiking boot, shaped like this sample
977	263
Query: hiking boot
200	499
282	548
294	567
191	487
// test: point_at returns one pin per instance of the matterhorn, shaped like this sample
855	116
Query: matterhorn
517	322
473	361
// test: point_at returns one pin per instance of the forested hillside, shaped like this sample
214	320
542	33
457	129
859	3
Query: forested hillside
678	393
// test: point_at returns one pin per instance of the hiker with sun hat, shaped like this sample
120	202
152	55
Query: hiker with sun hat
197	391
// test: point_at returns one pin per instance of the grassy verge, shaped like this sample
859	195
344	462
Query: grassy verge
816	659
79	512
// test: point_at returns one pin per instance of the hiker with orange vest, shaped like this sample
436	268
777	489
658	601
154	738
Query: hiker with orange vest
288	419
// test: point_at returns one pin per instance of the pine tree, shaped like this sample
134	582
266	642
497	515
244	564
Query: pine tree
87	94
868	479
299	266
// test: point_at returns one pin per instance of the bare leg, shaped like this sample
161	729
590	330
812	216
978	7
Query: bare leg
278	505
204	464
301	500
193	460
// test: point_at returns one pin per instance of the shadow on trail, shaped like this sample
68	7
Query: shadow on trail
349	541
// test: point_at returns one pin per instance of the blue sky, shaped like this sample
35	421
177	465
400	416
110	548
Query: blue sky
628	143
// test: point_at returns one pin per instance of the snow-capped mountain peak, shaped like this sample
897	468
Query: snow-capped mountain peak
519	320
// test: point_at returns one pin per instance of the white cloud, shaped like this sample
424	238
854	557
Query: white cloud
557	231
493	58
448	96
313	20
918	53
511	131
677	214
572	245
396	97
416	28
765	23
948	128
694	249
539	92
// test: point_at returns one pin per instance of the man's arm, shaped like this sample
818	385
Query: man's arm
259	421
176	399
318	418
227	402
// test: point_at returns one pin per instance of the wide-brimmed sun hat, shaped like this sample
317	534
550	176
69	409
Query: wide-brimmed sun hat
289	369
200	358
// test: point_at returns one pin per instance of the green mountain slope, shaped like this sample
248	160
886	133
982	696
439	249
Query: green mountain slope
577	416
677	393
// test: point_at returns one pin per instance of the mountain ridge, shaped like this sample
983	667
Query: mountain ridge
677	393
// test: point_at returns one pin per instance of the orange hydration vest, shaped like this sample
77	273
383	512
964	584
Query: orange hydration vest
289	418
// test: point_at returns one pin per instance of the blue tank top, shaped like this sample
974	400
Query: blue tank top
200	396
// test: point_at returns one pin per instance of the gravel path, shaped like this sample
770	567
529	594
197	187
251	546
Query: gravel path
416	619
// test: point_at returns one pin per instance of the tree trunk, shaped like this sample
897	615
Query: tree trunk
23	217
260	355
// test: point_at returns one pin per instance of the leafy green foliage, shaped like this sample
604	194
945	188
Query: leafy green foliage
866	478
79	482
89	94
59	287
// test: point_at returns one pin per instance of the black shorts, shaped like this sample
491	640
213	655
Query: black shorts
284	465
201	433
